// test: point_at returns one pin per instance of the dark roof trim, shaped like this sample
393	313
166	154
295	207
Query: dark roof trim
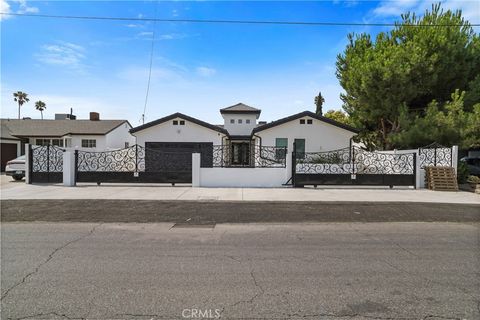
11	139
179	115
63	135
301	115
240	137
222	111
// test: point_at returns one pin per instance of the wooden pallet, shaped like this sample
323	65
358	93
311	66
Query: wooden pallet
441	178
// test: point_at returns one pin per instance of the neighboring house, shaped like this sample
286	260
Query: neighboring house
240	131
93	134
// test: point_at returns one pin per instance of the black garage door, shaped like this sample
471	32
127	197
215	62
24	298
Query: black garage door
8	152
176	154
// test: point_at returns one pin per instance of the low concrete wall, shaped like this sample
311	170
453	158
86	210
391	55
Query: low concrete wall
243	177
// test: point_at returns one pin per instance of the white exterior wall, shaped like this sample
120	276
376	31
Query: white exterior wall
116	138
239	129
167	132
243	177
319	136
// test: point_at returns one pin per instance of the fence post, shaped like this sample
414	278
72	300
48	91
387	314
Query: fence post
294	163
196	170
69	168
136	158
76	167
28	163
454	158
416	170
48	163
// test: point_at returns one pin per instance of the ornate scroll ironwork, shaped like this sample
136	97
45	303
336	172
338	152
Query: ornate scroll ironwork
329	162
259	157
47	159
355	161
366	162
435	155
123	160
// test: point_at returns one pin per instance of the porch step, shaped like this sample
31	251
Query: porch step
441	178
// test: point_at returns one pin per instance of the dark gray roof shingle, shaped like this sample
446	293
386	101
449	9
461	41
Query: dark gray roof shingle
57	128
240	108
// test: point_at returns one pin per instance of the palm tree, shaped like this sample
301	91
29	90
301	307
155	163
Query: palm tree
319	100
40	106
20	97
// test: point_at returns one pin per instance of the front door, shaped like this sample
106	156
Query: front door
240	153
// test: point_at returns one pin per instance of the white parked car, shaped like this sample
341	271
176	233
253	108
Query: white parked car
16	168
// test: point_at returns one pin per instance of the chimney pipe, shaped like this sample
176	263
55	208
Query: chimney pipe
94	116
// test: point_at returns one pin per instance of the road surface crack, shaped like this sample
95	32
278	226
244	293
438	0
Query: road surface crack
56	314
255	296
50	257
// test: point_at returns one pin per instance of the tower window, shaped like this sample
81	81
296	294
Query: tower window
309	121
182	122
240	121
232	121
302	121
247	121
175	122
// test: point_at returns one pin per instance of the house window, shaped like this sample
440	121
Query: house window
309	121
300	148
57	142
89	143
232	121
49	142
281	143
247	121
302	121
240	121
182	122
175	122
127	144
42	142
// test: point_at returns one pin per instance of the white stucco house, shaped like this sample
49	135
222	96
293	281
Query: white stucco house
241	130
90	134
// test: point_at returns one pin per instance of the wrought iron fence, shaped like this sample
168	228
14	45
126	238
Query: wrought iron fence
257	156
46	159
355	161
435	155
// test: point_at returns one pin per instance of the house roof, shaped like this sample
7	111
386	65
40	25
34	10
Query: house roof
240	108
58	128
179	115
301	115
5	133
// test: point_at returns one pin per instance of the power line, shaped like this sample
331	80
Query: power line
304	23
152	47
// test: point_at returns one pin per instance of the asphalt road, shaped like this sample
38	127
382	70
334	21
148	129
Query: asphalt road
77	210
261	271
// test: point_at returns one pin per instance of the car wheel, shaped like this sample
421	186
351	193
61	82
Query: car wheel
17	178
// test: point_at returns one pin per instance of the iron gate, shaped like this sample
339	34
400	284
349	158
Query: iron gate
133	164
353	166
45	164
435	155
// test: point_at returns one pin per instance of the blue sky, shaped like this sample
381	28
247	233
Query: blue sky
197	68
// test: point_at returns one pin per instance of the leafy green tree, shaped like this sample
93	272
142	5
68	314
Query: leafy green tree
338	116
403	70
319	100
40	106
21	98
446	123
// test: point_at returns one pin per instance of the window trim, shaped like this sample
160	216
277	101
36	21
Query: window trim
88	143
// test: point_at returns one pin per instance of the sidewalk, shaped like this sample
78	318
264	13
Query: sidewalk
20	190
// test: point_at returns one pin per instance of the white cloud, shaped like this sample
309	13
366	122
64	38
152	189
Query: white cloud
205	71
4	7
24	7
63	54
133	25
470	8
172	36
